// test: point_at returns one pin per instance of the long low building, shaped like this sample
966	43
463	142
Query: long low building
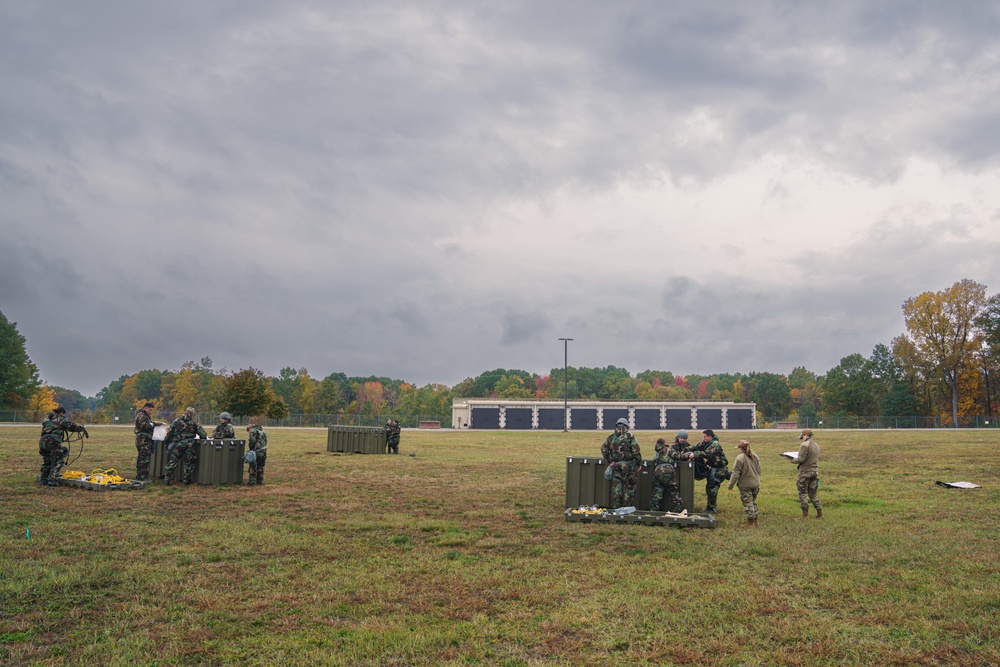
526	415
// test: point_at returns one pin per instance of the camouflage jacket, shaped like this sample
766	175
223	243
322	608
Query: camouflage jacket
621	447
392	433
184	428
224	430
258	439
143	423
55	427
711	453
677	451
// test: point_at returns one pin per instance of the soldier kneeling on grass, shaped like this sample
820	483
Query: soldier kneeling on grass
50	447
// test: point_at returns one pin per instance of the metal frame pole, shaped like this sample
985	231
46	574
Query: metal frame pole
565	383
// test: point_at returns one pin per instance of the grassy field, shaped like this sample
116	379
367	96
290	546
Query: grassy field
460	556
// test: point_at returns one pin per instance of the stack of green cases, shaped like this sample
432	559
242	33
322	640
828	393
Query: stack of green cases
356	439
585	483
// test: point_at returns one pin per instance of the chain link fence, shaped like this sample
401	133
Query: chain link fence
879	422
208	419
412	421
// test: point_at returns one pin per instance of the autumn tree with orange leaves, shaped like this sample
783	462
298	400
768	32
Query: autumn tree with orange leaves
942	338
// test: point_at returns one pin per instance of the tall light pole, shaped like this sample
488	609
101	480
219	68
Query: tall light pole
565	385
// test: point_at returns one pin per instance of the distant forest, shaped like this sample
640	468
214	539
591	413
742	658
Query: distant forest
943	367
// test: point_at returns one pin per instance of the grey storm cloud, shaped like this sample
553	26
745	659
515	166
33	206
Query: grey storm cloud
435	189
519	327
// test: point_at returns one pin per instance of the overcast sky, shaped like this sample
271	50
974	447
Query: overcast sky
428	190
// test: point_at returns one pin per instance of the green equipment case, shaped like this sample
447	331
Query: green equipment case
220	461
585	483
158	463
356	439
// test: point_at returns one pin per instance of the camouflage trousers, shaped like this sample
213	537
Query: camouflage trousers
714	477
393	445
51	453
749	499
257	468
144	453
186	450
808	487
623	491
665	482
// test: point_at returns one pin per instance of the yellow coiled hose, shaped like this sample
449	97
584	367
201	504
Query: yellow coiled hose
97	476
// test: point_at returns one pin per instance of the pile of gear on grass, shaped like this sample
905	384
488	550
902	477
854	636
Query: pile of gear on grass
180	440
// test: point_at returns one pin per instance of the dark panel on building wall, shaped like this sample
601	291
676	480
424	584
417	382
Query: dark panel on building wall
518	419
583	419
611	415
488	418
677	419
709	418
647	419
739	418
551	419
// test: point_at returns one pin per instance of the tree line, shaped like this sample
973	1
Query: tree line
943	366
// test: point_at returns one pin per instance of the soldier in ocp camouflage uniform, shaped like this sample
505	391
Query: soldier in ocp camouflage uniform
712	465
144	440
257	442
621	451
807	483
180	442
54	430
392	432
665	476
225	428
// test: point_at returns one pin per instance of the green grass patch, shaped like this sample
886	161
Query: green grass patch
461	556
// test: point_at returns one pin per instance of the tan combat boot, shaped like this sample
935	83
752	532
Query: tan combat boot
819	513
805	514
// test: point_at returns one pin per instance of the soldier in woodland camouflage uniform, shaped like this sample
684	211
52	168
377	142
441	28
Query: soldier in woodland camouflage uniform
621	451
144	440
258	445
392	435
225	428
665	476
180	442
712	465
54	430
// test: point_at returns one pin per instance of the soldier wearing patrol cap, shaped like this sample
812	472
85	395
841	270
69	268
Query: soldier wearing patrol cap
181	446
144	424
621	451
808	481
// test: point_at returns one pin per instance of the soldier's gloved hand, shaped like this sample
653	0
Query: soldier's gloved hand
84	430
